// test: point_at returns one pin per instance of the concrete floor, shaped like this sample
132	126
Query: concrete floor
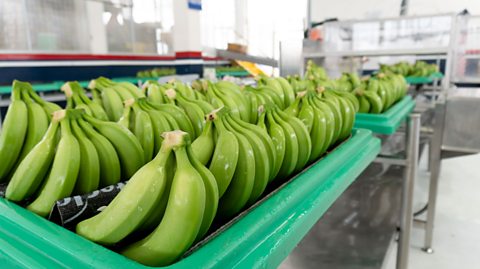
457	225
351	235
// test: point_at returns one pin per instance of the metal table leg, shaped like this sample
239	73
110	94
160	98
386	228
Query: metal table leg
435	155
406	216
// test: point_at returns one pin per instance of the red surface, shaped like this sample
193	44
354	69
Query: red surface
188	54
67	57
103	57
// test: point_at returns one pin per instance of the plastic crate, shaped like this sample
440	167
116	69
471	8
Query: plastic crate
262	236
424	80
388	121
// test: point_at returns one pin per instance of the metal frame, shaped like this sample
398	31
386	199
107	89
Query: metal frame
410	162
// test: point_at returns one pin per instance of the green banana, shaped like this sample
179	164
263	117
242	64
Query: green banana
14	130
110	171
277	134
263	165
112	103
88	178
126	144
225	156
32	170
305	142
211	193
231	91
266	140
64	171
291	146
288	91
329	121
348	115
36	128
132	205
204	145
364	104
306	114
193	111
143	130
243	182
179	114
376	103
182	220
318	134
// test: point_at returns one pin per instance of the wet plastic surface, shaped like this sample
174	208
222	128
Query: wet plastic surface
388	121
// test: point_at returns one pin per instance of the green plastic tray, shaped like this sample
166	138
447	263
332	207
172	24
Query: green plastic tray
424	80
233	73
261	237
387	122
44	87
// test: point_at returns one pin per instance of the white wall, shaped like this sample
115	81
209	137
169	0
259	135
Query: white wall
417	7
368	9
360	9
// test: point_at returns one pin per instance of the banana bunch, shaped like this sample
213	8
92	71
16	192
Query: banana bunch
111	95
291	140
77	154
379	93
76	98
148	121
281	87
329	116
419	69
25	123
315	72
175	190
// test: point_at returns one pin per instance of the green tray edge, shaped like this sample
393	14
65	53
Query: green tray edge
387	122
262	238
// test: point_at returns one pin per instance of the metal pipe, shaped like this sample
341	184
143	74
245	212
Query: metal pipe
406	214
435	153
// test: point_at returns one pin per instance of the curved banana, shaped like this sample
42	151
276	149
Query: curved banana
243	182
132	205
126	144
36	128
143	130
112	103
348	115
203	146
88	178
225	156
32	170
306	115
318	134
193	111
364	104
110	171
179	114
278	138
263	164
211	194
291	147
235	92
287	91
305	142
376	103
182	220
330	121
13	132
64	171
266	140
